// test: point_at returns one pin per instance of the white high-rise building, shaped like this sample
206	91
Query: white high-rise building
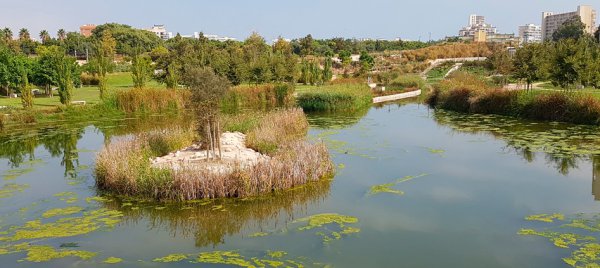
551	22
530	33
477	25
161	32
474	19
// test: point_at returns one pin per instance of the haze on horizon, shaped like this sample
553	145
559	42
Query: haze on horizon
386	19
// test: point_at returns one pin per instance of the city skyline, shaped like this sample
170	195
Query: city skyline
385	19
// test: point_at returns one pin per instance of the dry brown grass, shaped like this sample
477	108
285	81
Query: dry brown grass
277	128
124	167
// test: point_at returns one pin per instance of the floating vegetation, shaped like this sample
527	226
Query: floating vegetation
96	199
338	146
15	173
61	212
546	217
47	253
68	197
171	258
387	188
9	190
580	235
112	260
234	258
63	227
324	221
558	140
436	151
341	166
259	234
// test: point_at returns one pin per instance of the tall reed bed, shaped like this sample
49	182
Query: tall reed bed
469	95
277	129
264	96
124	167
150	100
339	97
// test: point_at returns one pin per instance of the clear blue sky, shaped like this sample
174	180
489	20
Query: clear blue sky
291	19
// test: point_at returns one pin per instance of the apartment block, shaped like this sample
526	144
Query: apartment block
551	22
530	33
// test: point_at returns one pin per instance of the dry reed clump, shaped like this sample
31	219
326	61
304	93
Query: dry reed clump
124	167
259	96
299	163
472	97
150	100
276	129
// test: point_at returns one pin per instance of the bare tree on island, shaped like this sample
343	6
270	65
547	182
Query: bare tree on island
208	89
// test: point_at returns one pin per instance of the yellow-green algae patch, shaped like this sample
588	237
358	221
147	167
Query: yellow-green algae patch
579	236
546	217
385	188
15	173
259	234
48	253
112	260
171	258
61	212
327	219
68	197
9	190
436	151
224	257
64	227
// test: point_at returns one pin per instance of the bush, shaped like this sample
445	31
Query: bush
494	101
344	97
89	80
149	100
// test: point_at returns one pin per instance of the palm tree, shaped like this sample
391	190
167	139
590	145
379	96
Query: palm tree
62	34
44	36
8	34
24	34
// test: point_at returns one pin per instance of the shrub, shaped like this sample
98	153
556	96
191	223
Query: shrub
276	129
89	80
494	101
584	109
2	119
150	100
344	97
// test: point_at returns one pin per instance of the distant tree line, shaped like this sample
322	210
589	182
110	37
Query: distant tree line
570	59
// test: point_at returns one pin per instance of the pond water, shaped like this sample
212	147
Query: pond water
414	188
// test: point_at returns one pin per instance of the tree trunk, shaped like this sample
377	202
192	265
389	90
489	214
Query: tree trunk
219	139
207	146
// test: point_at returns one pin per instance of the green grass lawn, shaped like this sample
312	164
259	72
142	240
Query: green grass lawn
91	94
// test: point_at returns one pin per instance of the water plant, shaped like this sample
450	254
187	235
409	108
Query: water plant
387	188
234	258
8	190
580	236
61	212
112	260
342	97
327	220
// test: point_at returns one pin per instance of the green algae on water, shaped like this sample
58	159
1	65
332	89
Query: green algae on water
259	234
61	212
68	197
546	217
328	220
385	188
64	227
48	253
112	260
9	190
171	258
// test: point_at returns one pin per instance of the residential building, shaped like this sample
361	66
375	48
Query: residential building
530	33
551	22
476	24
480	36
161	32
87	29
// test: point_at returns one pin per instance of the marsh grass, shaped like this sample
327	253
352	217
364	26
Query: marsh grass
150	100
124	167
277	128
264	97
469	94
338	97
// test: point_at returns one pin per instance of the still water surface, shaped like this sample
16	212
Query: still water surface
482	176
